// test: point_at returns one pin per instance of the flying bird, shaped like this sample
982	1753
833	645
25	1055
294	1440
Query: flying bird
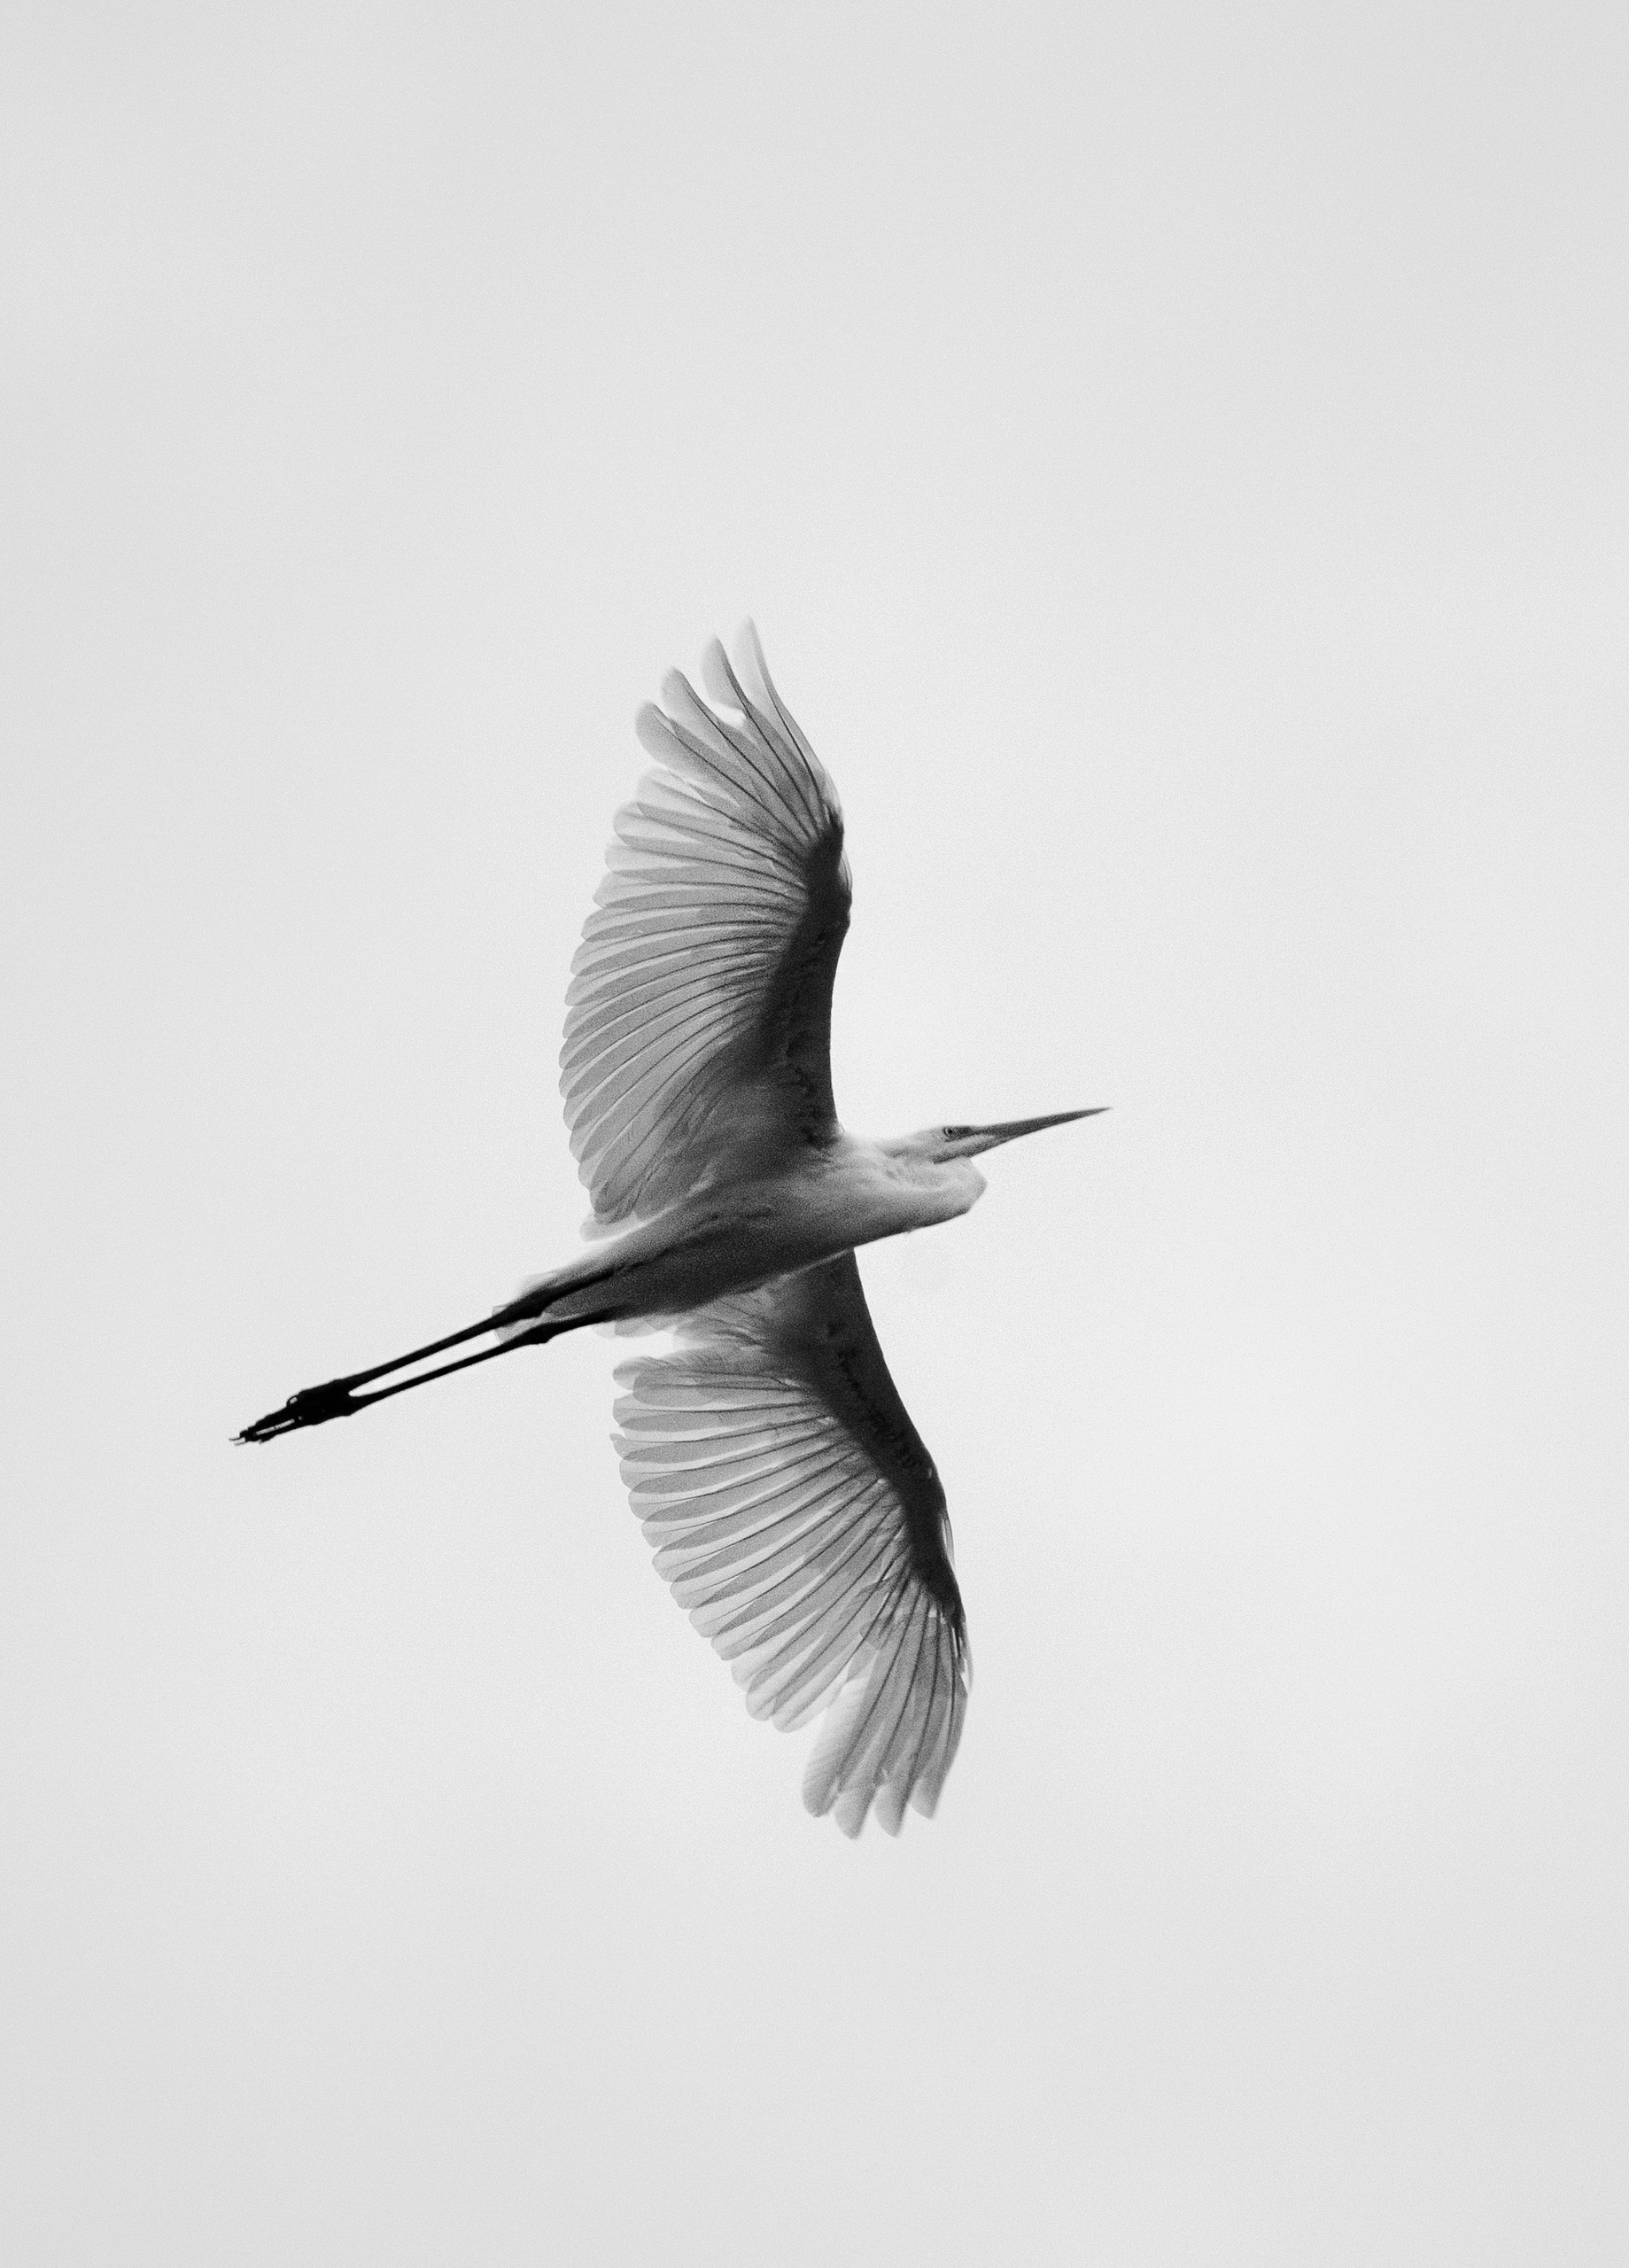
793	1507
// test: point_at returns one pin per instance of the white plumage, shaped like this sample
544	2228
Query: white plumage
792	1507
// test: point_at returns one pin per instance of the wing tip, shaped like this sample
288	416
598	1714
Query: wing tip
889	1802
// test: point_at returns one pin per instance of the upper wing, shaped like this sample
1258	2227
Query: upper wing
797	1515
700	1008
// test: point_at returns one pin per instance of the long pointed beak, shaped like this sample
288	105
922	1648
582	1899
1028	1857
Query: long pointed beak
1010	1129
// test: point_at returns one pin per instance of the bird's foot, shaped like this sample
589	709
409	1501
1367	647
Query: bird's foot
313	1405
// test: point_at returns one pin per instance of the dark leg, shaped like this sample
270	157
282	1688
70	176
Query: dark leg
314	1405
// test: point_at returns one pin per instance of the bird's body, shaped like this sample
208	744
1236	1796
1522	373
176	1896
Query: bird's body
752	1225
794	1509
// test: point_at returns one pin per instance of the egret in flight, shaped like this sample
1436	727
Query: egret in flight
794	1509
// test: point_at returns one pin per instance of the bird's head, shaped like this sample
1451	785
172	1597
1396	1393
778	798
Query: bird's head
942	1143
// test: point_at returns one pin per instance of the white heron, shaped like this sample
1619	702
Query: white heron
794	1509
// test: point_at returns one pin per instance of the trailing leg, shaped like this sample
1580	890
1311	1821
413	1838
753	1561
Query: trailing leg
520	1324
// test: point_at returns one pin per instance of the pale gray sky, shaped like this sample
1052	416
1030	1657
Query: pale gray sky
1176	457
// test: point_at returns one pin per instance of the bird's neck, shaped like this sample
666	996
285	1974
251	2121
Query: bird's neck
907	1189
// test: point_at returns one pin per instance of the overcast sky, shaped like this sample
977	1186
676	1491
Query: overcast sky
1176	457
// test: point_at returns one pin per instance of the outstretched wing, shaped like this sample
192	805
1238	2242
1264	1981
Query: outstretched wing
797	1516
699	1023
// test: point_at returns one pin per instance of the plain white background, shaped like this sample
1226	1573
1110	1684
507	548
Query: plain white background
1176	457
